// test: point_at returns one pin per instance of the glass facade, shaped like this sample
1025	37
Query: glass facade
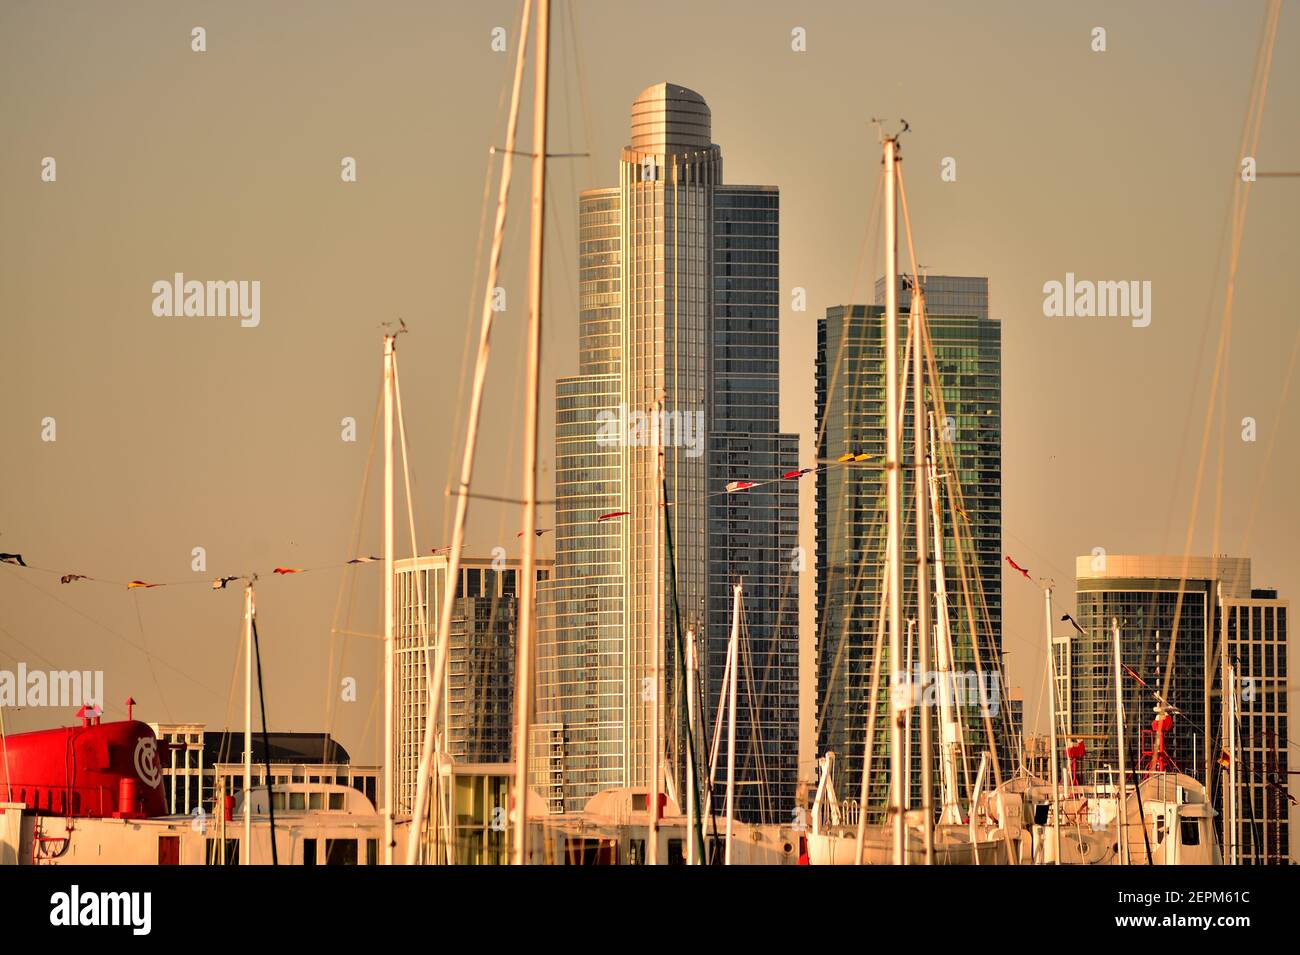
1086	667
479	688
1256	645
851	515
1222	621
678	311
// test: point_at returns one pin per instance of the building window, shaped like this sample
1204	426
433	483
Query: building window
340	851
309	852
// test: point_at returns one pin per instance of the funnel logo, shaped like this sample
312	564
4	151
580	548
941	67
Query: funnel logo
146	761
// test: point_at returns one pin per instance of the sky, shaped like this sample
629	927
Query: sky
174	433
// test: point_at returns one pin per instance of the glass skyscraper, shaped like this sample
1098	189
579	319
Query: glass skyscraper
678	349
479	689
1222	620
851	508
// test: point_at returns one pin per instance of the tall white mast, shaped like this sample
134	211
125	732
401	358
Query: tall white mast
1232	822
908	649
950	739
734	652
1052	702
1121	798
692	790
420	809
717	731
652	651
389	800
246	856
919	458
893	584
528	586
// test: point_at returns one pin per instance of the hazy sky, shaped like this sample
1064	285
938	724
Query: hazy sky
176	433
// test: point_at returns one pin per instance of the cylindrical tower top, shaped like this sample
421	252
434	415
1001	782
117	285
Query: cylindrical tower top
669	118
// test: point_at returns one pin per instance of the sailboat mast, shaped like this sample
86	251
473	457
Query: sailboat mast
892	582
734	653
448	603
246	856
1121	796
924	629
949	729
388	600
652	651
1052	702
692	790
528	586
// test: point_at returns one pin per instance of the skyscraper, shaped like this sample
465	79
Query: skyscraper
678	382
1222	622
479	692
850	408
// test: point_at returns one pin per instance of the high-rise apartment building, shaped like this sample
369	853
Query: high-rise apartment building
1224	625
851	510
479	689
677	395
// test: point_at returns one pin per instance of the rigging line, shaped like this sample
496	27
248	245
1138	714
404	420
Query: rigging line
421	613
347	581
1241	202
129	642
856	383
475	281
139	622
1272	444
758	744
266	743
877	530
471	432
576	49
1221	247
1229	216
868	245
33	651
956	502
936	384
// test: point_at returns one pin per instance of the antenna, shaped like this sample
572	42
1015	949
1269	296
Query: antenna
879	123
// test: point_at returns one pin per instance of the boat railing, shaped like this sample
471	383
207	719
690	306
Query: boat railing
849	812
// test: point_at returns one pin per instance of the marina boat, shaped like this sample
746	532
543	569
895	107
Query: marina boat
93	795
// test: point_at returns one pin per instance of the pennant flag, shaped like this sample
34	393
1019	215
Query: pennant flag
1015	566
861	457
356	560
537	533
220	582
1224	758
1073	623
13	559
613	514
734	486
294	570
140	583
796	474
845	457
69	578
